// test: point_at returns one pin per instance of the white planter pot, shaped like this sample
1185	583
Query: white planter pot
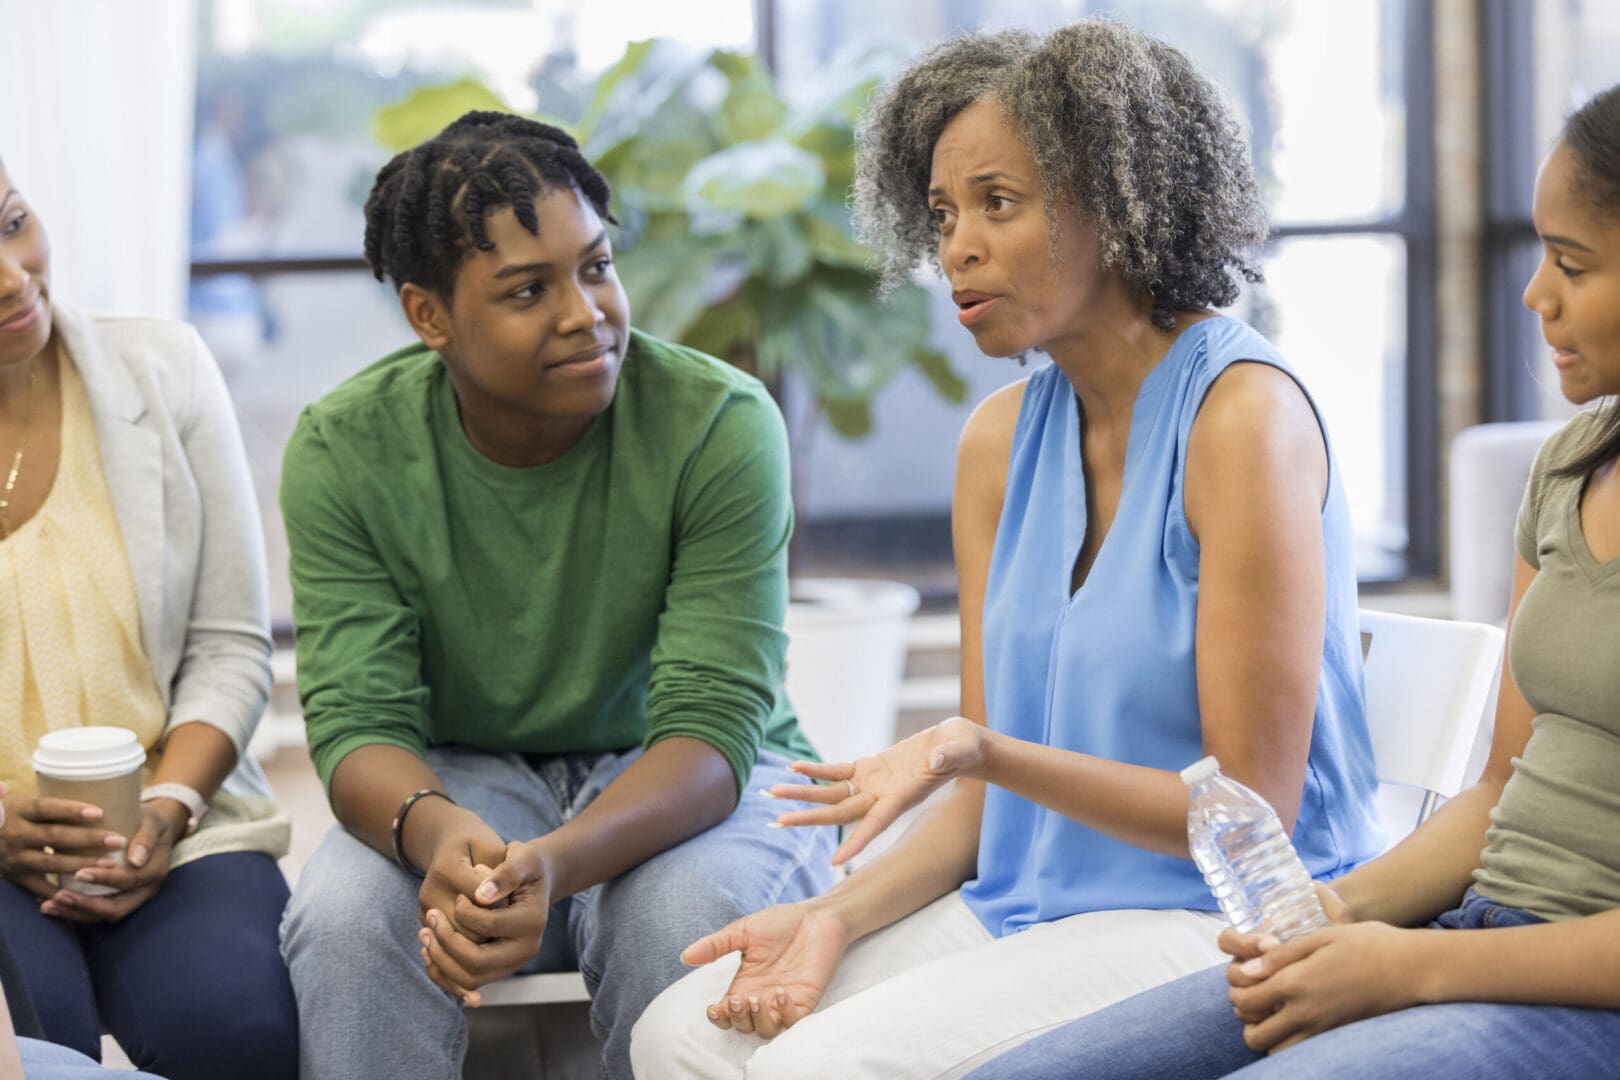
846	657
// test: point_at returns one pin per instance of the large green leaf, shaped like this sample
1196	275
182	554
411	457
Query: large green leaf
720	328
642	95
776	250
941	375
839	91
428	110
835	147
851	417
766	179
826	225
833	330
668	285
751	110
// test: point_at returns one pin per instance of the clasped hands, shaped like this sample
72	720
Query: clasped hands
1285	992
483	906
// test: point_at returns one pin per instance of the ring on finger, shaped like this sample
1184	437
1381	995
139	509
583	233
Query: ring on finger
851	785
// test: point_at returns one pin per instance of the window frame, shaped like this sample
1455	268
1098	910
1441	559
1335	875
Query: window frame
1508	105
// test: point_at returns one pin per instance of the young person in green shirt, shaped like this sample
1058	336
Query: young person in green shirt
539	568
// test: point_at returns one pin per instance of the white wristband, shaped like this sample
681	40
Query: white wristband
185	795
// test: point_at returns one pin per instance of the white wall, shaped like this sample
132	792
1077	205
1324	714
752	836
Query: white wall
96	131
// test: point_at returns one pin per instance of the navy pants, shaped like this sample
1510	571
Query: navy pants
191	983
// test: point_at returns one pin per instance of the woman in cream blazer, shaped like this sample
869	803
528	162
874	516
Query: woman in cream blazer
132	594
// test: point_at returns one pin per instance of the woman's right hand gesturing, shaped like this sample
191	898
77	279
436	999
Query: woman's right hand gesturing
876	790
29	825
789	953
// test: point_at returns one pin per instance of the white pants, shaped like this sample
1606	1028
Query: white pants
933	996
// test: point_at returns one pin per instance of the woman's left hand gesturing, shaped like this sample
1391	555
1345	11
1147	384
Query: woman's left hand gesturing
163	823
1334	976
876	790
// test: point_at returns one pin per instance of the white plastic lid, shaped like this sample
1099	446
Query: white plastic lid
1199	771
88	753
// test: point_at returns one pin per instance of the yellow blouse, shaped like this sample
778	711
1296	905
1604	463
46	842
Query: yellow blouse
70	632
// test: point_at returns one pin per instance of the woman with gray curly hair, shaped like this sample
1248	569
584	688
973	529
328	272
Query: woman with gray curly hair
1155	563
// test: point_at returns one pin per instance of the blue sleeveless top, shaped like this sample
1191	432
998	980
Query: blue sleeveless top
1110	670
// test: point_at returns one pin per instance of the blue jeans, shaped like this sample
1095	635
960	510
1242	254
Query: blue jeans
1185	1030
48	1061
190	983
369	1009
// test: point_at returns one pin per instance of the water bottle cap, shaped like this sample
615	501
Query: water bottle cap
1199	771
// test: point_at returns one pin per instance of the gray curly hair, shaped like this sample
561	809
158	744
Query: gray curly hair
1122	126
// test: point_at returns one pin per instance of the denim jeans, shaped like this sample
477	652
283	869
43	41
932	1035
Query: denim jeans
366	1005
1185	1030
47	1061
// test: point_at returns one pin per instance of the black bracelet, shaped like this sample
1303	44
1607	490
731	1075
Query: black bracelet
399	826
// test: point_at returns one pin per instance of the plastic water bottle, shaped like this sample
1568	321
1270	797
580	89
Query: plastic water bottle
1247	859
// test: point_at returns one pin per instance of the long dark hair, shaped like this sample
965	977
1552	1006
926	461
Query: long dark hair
1592	133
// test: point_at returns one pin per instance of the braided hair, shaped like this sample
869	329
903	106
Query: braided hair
425	214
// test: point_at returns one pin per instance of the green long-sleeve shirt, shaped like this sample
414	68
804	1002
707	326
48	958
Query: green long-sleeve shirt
629	591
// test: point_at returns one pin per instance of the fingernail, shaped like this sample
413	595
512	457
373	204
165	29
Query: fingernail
137	856
781	996
86	875
91	813
433	919
486	891
114	841
753	1003
736	1004
107	862
1267	943
1253	967
775	825
936	760
765	791
712	1013
64	898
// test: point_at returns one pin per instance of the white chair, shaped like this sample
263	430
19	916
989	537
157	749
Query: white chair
555	1042
1430	683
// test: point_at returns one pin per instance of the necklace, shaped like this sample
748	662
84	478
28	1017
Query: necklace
16	460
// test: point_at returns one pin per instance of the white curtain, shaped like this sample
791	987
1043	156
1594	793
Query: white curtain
99	98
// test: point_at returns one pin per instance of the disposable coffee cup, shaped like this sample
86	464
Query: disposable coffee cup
96	765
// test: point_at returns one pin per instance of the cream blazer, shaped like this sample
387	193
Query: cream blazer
178	476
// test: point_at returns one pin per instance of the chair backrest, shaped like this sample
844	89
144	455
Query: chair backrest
1428	683
1489	464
